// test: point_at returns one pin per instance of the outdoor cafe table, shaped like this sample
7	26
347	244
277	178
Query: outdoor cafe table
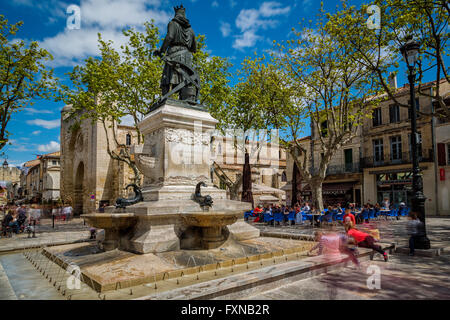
314	215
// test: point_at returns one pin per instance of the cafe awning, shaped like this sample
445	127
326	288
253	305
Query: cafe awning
330	188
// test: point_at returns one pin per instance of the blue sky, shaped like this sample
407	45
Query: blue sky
233	29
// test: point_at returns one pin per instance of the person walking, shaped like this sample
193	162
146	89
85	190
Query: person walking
415	230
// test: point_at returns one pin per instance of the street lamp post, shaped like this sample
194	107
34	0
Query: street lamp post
410	51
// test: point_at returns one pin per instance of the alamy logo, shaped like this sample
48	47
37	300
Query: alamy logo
73	281
374	281
74	20
374	20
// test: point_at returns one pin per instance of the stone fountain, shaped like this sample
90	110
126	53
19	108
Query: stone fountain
173	159
176	222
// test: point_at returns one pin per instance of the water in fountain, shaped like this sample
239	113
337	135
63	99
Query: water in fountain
189	260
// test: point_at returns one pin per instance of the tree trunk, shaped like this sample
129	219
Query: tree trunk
247	195
316	190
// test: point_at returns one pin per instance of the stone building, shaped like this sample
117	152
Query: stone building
386	147
10	180
25	179
40	179
267	162
343	182
442	161
89	177
50	168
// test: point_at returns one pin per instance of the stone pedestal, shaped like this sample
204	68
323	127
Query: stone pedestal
174	158
176	153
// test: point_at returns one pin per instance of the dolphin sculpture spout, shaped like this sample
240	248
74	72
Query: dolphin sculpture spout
204	201
123	203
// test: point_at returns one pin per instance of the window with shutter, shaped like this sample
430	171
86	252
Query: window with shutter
441	154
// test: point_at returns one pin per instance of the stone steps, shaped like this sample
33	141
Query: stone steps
259	280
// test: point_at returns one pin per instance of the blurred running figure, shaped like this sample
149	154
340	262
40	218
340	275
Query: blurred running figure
363	239
334	242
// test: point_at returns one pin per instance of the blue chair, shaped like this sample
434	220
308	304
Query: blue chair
305	216
365	215
334	215
291	216
371	213
267	217
278	217
392	213
327	218
404	211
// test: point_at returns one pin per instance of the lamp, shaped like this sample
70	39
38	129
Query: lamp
410	52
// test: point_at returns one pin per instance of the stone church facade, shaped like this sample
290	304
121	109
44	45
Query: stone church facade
89	176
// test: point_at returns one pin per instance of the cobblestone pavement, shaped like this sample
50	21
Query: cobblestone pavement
64	232
401	278
393	231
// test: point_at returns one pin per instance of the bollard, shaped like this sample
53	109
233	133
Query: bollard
53	221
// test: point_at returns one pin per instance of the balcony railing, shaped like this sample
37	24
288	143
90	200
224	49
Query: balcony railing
339	169
403	158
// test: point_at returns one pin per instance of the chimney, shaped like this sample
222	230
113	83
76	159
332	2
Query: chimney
392	80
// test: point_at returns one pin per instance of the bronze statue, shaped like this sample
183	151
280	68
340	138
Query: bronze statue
179	75
204	201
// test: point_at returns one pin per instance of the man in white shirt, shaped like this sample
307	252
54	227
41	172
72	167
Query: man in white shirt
306	207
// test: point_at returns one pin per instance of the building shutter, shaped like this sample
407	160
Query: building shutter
441	154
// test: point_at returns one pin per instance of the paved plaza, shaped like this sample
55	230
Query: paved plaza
403	277
64	232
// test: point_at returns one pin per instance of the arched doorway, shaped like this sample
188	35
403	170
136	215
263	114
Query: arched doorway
78	201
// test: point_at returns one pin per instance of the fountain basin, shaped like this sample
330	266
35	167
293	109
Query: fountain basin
110	220
210	218
113	224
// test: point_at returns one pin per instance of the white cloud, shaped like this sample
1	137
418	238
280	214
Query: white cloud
247	39
33	110
47	124
36	132
108	17
249	21
127	121
215	4
225	28
50	147
271	8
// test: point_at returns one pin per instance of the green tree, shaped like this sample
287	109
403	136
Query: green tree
23	75
115	85
427	21
332	89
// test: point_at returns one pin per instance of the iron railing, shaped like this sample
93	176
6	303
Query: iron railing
403	158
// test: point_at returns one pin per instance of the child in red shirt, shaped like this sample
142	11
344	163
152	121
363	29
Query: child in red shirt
363	239
350	216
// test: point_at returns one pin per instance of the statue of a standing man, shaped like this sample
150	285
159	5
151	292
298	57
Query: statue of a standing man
178	47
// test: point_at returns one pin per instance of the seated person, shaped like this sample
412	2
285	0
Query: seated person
6	220
306	207
348	216
14	224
